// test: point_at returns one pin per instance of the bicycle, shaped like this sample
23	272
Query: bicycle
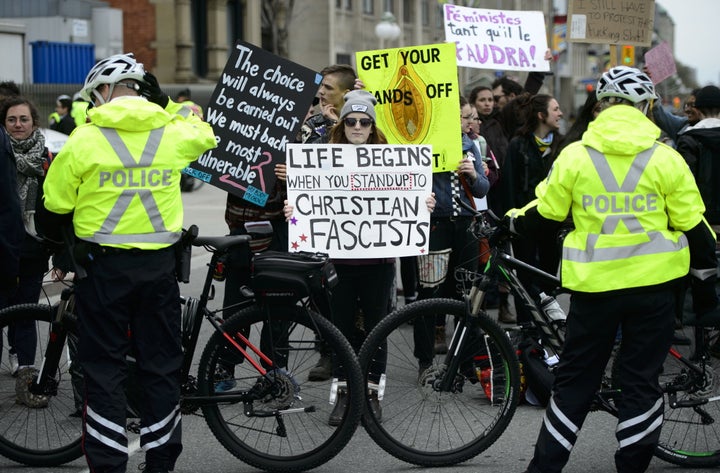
250	384
464	422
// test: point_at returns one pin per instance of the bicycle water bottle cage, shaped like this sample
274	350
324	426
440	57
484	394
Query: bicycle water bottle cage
280	276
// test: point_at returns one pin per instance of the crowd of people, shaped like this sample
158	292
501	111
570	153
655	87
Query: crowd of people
513	154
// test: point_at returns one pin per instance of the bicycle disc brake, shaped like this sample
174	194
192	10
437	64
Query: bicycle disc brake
276	390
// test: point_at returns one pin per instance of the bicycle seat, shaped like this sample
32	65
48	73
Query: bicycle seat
221	242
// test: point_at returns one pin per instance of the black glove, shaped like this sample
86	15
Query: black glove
502	231
151	90
704	295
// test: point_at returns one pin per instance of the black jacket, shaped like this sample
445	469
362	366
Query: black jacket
12	230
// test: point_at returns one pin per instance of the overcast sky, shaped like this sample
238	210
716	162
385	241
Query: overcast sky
697	33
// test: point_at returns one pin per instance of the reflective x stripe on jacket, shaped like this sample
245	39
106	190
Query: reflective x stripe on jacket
105	234
657	242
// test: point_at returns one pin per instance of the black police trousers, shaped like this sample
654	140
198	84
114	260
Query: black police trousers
646	322
130	303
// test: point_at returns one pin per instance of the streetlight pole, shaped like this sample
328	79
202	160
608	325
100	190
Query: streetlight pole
387	29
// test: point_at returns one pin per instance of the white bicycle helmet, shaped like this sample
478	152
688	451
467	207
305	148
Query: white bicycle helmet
626	83
110	71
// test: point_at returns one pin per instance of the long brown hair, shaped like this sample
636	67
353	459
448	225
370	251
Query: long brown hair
337	135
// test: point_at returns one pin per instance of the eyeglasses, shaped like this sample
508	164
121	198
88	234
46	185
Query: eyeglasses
351	122
689	105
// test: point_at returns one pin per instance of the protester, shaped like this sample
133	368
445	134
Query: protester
21	119
451	244
337	81
117	180
529	158
362	283
699	144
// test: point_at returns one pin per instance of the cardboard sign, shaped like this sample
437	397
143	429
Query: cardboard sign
418	97
256	110
611	21
660	62
364	201
497	39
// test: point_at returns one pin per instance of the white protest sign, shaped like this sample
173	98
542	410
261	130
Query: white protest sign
364	201
497	39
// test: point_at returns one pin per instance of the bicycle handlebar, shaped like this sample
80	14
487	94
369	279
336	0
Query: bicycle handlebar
486	223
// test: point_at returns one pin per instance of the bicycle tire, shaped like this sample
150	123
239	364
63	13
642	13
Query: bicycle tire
425	427
688	439
310	441
41	437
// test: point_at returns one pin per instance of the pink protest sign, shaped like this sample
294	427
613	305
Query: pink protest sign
660	63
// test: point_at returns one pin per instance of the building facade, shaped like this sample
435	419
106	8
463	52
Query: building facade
188	41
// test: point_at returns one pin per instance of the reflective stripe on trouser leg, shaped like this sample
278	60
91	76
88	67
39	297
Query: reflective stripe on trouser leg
559	426
557	437
106	432
637	438
640	427
161	432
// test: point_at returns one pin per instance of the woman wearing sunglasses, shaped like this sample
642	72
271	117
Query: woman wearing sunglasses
363	284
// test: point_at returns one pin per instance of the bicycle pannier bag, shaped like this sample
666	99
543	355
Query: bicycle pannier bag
280	275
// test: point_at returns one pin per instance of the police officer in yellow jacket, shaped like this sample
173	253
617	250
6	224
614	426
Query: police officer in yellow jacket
639	230
118	177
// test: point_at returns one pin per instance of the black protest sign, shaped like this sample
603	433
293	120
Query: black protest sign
256	110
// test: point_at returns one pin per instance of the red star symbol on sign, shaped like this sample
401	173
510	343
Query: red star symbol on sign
422	250
295	245
303	238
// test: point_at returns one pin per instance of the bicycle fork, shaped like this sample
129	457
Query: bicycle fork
45	383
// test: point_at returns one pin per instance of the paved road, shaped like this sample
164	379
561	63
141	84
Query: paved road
511	453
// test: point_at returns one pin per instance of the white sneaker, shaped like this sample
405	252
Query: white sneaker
13	360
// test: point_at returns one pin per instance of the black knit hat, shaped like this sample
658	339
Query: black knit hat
708	97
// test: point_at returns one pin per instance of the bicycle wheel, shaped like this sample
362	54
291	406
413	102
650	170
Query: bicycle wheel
421	424
288	430
48	436
690	435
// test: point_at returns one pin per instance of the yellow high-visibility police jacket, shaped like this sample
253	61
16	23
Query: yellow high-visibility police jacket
631	197
79	111
120	173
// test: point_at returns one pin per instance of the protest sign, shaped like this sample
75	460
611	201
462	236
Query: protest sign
365	201
627	22
256	109
497	39
418	97
660	62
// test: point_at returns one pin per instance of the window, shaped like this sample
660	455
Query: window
407	14
389	5
343	4
425	12
341	58
368	7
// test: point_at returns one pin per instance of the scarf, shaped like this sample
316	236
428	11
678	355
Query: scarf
544	143
30	156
